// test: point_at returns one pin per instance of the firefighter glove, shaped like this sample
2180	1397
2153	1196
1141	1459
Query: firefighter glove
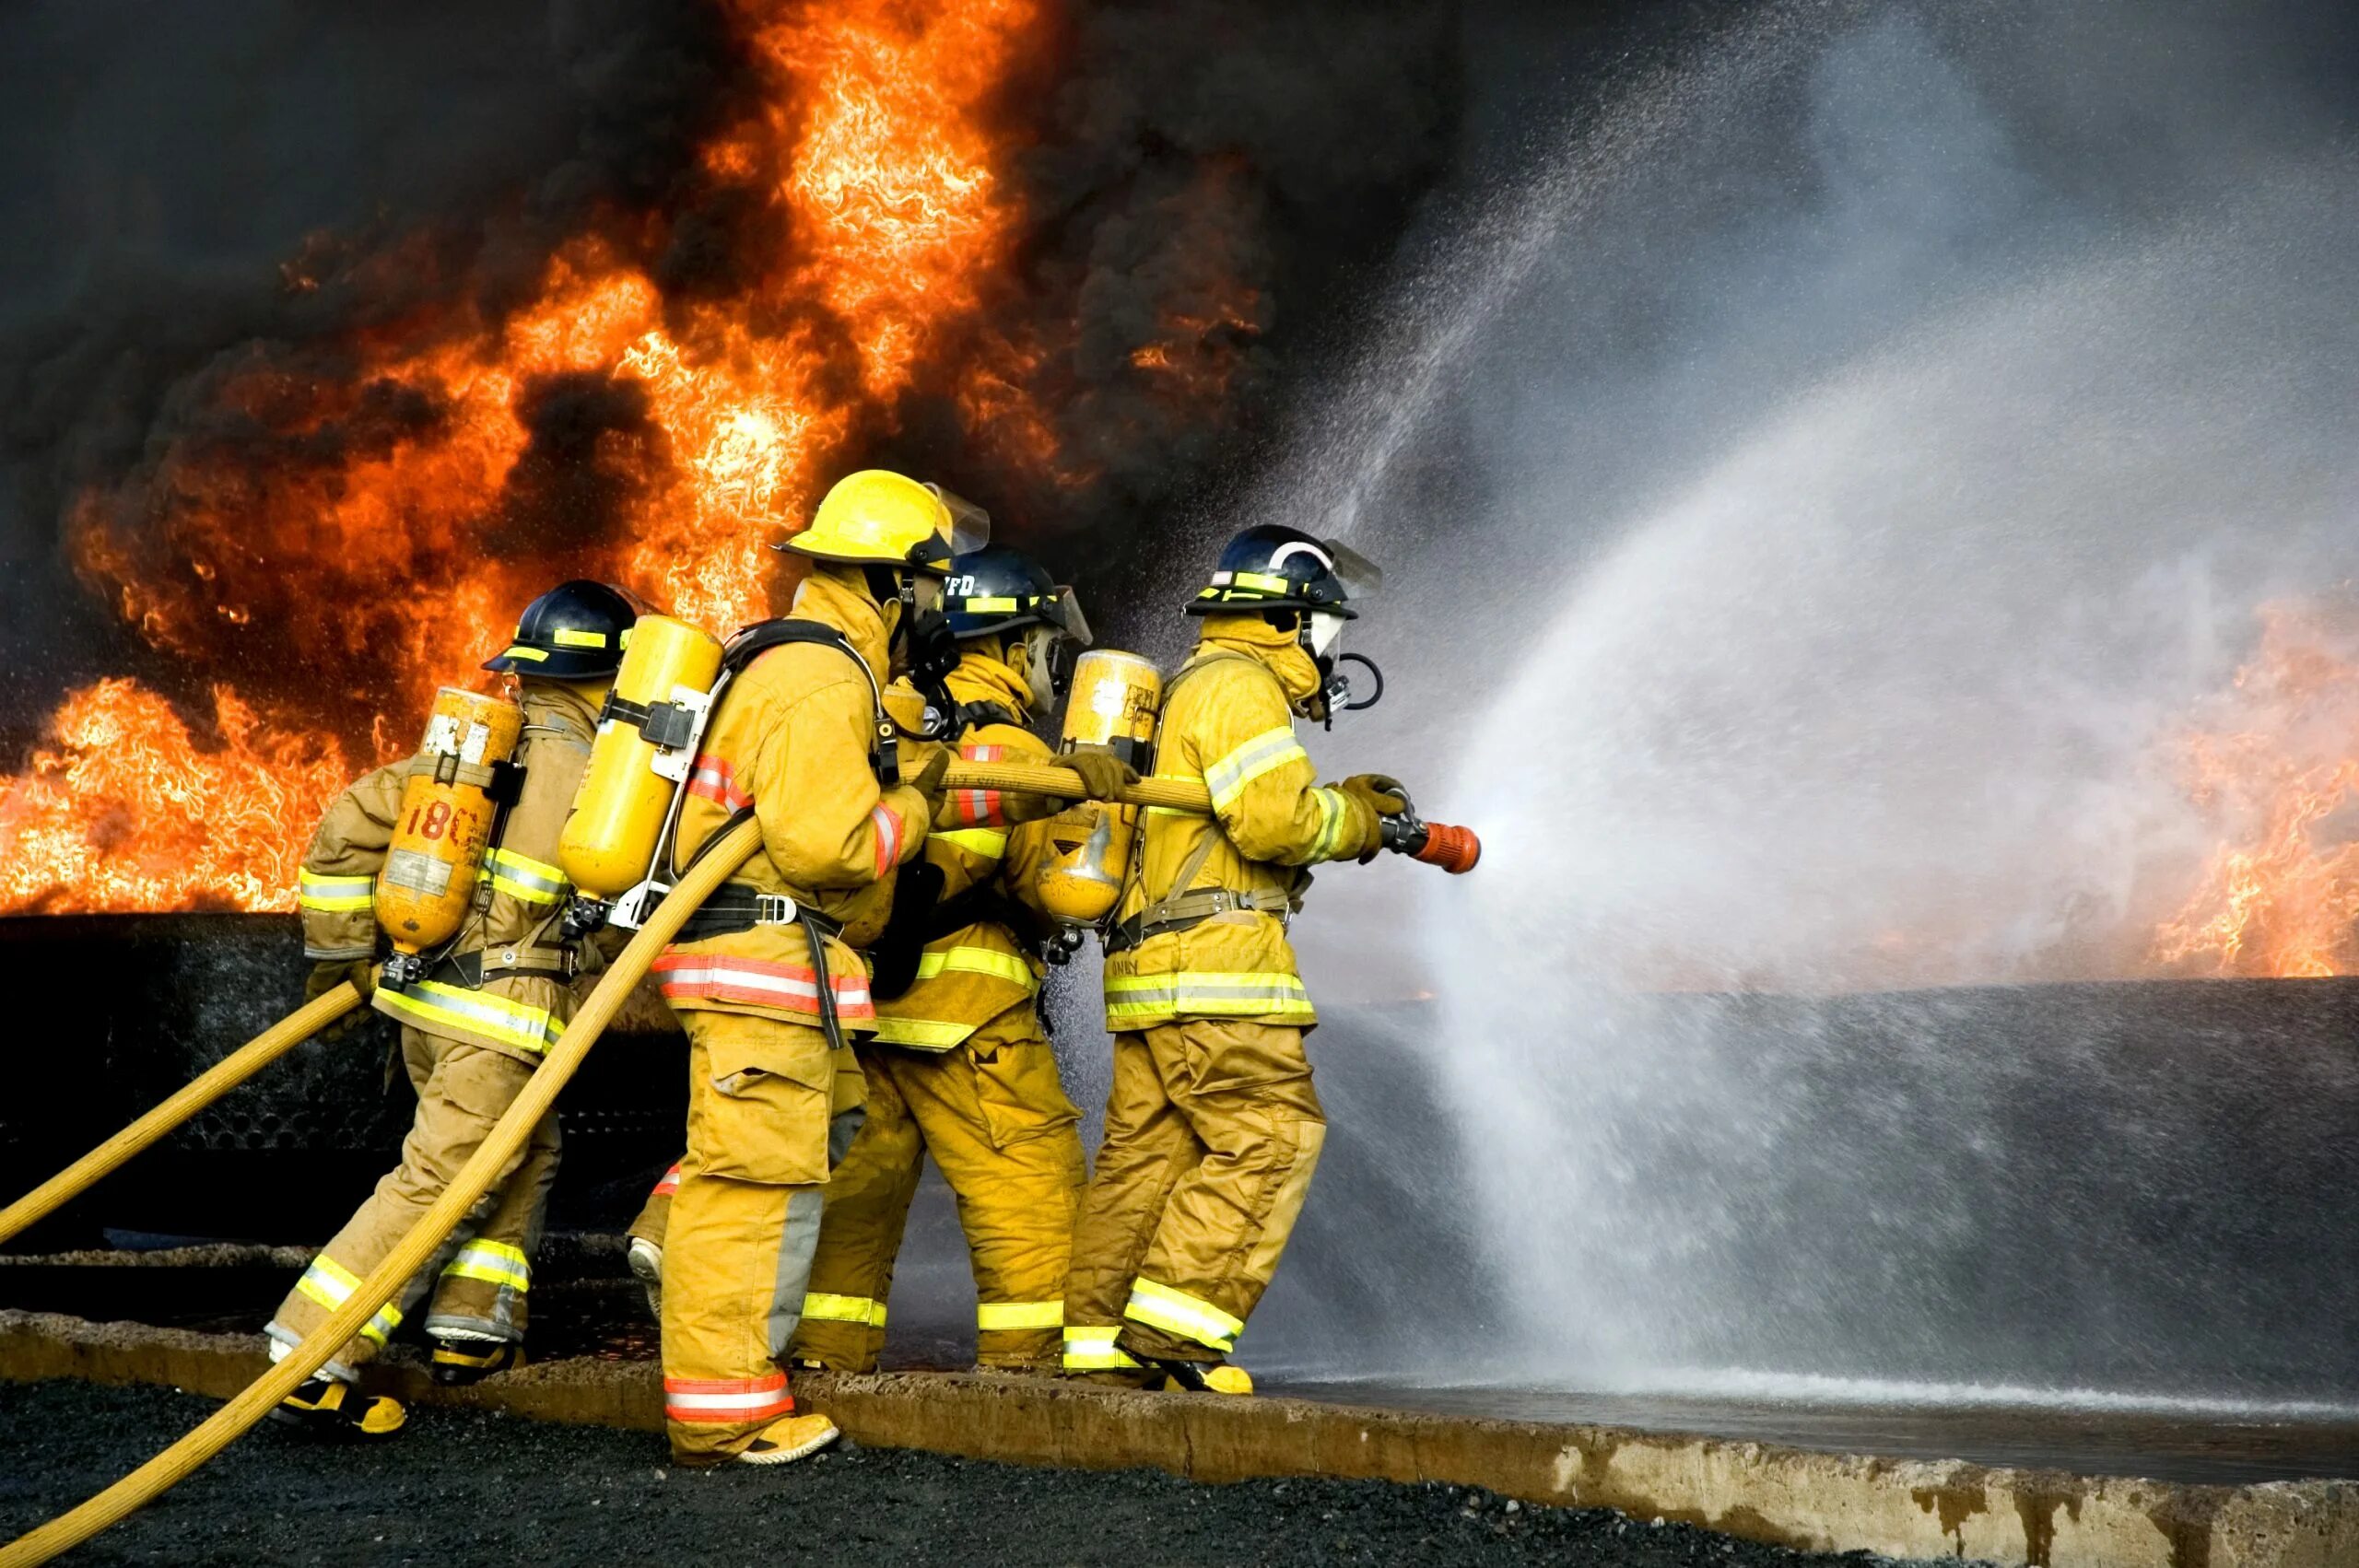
324	977
1381	796
1103	775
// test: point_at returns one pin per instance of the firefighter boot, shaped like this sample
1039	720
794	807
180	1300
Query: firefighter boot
1201	1376
460	1359
335	1409
788	1439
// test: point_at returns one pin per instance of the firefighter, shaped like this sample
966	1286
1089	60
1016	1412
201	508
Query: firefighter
474	1028
959	1064
1212	1127
766	976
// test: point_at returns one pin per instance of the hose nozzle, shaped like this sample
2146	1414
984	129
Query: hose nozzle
1455	849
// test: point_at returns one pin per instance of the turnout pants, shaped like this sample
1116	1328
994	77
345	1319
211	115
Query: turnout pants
997	1122
1212	1132
481	1277
771	1109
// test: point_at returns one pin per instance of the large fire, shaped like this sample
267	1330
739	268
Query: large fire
366	516
2275	768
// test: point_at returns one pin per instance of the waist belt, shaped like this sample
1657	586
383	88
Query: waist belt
735	908
1187	910
471	969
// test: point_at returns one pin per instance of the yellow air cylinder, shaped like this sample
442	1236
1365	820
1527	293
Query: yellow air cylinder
428	880
1115	700
640	756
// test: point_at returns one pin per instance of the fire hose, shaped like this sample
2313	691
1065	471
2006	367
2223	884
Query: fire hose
1455	849
216	1080
143	1485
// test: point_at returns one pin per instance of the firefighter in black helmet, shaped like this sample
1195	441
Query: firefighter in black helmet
1212	1126
473	1028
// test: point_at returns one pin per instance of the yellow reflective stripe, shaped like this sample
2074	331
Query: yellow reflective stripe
521	877
998	1316
493	1262
926	1033
335	894
1092	1350
989	606
1210	993
331	1284
434	1004
566	637
820	1307
975	961
1262	581
1177	1312
1334	810
991	843
1270	749
532	655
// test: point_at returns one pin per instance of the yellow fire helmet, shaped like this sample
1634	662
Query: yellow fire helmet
878	518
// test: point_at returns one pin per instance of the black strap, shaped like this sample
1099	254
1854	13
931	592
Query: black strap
975	715
734	907
884	744
893	956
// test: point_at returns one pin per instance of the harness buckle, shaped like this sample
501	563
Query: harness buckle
773	909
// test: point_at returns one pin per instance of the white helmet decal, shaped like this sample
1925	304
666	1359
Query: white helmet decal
1301	547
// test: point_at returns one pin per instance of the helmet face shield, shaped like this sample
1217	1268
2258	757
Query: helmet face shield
971	525
1362	578
1065	612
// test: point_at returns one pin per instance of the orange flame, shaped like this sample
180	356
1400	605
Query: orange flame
181	828
390	520
2276	771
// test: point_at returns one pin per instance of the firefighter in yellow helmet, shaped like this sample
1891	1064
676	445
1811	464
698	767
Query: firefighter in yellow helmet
959	1064
473	1028
1212	1126
766	976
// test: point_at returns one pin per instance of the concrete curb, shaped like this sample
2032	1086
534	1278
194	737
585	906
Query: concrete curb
1819	1502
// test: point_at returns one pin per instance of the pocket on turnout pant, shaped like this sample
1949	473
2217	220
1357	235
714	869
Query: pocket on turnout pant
766	1119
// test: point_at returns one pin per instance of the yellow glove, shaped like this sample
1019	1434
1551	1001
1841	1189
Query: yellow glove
1103	775
1374	797
360	973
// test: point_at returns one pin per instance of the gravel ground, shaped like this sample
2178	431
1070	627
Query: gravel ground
461	1488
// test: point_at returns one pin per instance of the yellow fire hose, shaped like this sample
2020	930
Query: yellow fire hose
216	1080
1045	778
385	1282
309	1020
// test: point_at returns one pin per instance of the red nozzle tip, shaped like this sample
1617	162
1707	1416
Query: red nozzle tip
1454	849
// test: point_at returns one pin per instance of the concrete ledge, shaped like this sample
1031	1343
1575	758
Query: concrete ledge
1818	1502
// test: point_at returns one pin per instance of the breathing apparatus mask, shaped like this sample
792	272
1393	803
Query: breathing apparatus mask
1320	634
1048	652
920	639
